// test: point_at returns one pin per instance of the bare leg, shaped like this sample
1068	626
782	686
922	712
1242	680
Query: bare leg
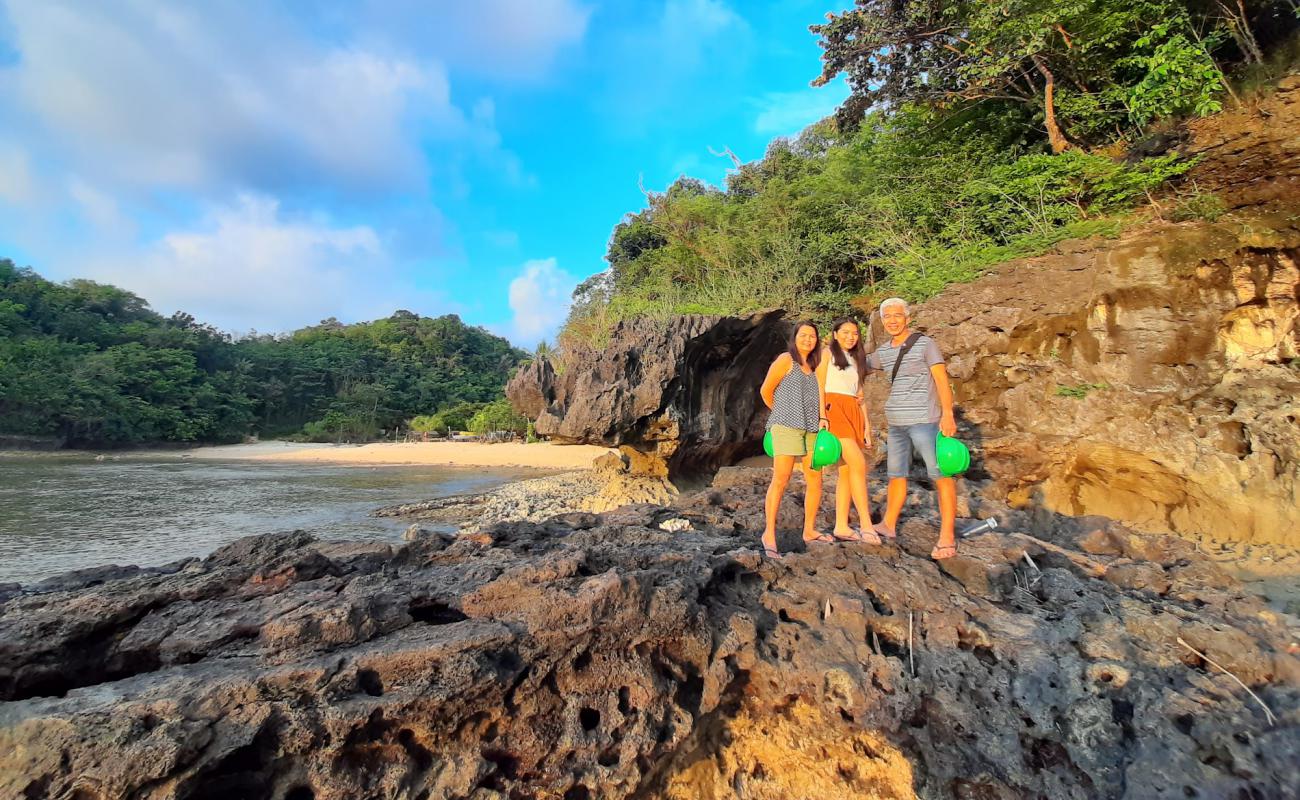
893	507
782	466
947	490
812	501
858	485
843	495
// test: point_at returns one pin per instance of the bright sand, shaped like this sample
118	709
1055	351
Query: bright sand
543	455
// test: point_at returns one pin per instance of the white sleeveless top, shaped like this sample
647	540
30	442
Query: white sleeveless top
842	381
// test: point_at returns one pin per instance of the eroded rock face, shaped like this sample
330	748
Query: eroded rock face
678	398
1152	379
1251	153
605	656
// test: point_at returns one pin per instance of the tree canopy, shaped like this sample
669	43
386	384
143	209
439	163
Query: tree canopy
975	132
94	365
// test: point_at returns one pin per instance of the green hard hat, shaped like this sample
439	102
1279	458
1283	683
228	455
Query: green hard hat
767	444
826	450
953	457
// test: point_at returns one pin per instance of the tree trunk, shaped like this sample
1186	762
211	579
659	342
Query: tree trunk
1239	27
1054	135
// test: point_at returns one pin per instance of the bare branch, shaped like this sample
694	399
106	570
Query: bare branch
726	151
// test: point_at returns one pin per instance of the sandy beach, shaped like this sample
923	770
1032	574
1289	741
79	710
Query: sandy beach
542	455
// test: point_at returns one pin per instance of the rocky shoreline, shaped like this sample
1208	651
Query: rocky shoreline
650	652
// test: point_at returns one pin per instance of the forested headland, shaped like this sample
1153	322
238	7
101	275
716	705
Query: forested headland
94	366
974	133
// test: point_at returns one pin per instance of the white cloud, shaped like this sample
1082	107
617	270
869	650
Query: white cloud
787	113
539	298
190	96
517	39
17	184
100	208
247	267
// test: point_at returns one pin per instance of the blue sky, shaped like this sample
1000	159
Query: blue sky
264	165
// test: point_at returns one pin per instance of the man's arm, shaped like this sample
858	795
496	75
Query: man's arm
947	422
939	371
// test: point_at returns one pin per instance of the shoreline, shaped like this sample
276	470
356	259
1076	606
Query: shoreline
539	455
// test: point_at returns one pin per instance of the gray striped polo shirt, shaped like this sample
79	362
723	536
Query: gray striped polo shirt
913	399
794	403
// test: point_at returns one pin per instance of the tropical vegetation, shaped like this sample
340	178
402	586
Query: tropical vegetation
94	366
975	132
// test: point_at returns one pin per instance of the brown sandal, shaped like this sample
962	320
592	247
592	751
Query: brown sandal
940	552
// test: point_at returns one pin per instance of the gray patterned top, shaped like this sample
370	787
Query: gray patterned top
913	398
794	403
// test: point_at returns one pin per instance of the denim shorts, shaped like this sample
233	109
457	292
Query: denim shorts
903	438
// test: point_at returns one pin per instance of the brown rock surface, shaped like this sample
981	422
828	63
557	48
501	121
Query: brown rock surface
1151	379
601	656
679	398
1251	153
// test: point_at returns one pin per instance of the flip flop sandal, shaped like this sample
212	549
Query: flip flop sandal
884	532
946	551
821	538
860	537
772	553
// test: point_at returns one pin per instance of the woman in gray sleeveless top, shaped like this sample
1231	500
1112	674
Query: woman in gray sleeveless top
792	392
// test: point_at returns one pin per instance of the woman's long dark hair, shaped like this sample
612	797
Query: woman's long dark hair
858	351
815	357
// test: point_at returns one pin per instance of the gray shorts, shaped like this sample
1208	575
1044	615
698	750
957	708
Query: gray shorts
903	438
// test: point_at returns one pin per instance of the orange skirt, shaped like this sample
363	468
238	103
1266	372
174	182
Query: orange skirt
845	417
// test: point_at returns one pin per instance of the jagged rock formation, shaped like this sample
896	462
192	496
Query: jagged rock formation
608	657
679	399
1152	379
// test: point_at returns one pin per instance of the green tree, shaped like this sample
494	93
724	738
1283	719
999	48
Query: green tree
1071	58
498	415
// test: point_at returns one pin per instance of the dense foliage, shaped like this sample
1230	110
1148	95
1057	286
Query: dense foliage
1088	69
92	364
975	133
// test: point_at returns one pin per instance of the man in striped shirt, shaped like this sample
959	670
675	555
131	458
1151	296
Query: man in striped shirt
918	408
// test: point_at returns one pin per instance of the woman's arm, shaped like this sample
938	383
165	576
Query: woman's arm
866	420
775	374
823	365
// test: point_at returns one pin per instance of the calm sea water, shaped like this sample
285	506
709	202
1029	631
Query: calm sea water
59	514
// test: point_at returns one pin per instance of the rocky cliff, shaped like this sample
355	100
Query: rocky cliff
650	652
678	398
1153	379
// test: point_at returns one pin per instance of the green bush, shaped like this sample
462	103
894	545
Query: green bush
1198	205
1080	390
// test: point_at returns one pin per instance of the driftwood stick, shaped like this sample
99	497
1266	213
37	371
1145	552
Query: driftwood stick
1091	568
911	658
1268	713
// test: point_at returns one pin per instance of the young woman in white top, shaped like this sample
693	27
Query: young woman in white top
840	375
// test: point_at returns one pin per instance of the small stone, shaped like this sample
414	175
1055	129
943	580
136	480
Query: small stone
675	525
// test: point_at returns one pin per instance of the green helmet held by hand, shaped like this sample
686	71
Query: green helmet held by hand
826	450
953	457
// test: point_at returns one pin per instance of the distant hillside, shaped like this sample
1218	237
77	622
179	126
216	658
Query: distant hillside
93	365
